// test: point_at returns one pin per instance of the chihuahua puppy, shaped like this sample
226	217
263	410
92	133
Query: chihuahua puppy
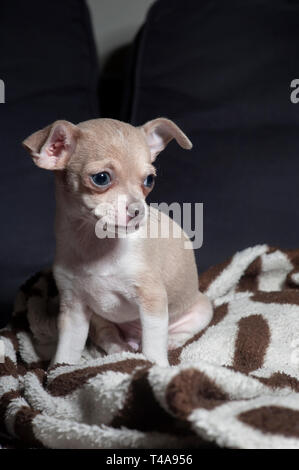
132	289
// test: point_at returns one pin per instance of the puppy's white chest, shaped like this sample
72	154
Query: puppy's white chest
110	289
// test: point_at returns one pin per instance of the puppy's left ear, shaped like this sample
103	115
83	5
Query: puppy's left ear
52	147
160	132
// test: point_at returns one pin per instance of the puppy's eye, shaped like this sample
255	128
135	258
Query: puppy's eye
101	179
149	181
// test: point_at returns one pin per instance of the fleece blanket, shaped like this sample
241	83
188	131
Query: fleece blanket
235	384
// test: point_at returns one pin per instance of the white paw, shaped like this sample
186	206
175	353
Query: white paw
115	348
160	361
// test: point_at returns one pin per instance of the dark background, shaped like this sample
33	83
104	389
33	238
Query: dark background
221	70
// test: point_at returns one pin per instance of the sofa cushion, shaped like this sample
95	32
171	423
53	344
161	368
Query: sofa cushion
222	71
49	67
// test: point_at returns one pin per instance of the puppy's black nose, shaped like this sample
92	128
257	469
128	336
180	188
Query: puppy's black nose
135	208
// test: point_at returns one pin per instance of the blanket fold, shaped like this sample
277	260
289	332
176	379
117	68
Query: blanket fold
235	384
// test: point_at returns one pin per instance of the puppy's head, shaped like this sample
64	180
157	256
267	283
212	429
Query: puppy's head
104	167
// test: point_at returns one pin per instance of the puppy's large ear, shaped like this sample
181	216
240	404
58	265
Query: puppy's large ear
52	147
160	132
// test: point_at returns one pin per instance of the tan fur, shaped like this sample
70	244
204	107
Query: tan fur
136	282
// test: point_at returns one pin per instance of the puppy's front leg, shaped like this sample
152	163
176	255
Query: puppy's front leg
73	326
154	322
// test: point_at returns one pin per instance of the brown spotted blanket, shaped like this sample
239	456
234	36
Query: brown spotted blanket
236	384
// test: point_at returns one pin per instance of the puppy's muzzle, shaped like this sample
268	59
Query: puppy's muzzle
136	209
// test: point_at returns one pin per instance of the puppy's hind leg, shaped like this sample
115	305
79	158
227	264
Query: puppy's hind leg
192	322
106	335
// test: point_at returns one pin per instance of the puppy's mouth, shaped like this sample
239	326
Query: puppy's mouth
110	227
131	226
128	219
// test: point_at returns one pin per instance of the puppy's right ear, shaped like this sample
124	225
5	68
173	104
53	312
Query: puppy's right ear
52	147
